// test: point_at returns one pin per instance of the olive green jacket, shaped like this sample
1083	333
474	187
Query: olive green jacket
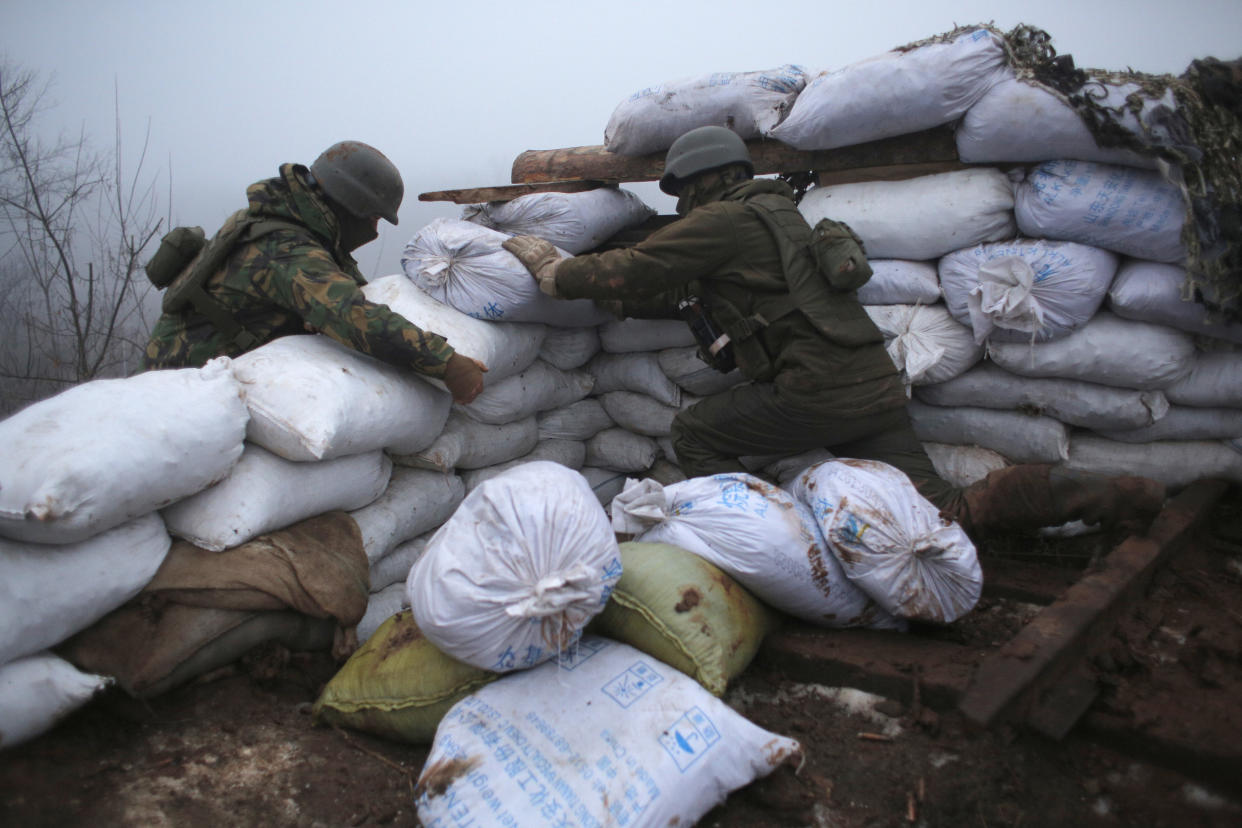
290	280
722	252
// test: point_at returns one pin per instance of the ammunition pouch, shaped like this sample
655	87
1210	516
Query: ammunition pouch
840	255
177	249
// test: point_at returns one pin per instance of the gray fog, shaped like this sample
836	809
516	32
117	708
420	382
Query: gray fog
453	92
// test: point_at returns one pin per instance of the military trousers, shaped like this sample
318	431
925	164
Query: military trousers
750	419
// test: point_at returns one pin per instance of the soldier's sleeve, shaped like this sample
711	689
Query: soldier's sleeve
688	249
305	279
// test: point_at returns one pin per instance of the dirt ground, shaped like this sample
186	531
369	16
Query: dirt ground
1160	747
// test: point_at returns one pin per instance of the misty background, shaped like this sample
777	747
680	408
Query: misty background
220	94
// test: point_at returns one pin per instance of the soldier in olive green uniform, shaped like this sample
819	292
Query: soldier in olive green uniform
298	275
821	375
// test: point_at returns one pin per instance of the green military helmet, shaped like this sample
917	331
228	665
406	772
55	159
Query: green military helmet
699	150
361	179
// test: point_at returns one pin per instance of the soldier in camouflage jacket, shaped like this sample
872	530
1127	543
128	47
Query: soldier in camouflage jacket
303	278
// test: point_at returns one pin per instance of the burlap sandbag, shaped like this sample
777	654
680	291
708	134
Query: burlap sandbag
304	587
398	685
682	609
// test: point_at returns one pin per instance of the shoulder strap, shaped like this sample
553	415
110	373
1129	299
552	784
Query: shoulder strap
773	216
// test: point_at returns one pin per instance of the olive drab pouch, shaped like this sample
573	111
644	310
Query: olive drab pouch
840	254
177	249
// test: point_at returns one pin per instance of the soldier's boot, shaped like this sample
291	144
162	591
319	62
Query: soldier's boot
1026	497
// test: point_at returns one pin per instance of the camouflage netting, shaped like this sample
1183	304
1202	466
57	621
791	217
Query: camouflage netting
1198	138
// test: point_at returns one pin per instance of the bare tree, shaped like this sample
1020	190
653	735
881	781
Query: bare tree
73	228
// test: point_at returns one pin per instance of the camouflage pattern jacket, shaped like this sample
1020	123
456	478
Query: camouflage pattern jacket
724	253
291	279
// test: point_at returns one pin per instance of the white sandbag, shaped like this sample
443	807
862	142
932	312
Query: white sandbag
895	93
463	265
1027	290
581	420
694	376
574	222
920	218
1214	380
1017	121
1107	350
756	532
38	691
639	413
900	282
568	453
1185	423
48	593
605	483
467	443
1020	437
311	398
511	579
925	343
1077	403
504	347
640	372
265	492
963	465
567	348
383	604
1175	464
1131	211
621	450
1152	292
415	501
621	336
107	451
539	388
891	541
610	737
749	103
394	567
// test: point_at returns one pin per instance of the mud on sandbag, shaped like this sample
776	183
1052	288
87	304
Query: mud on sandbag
397	685
680	608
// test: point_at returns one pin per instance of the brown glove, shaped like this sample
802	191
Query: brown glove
539	257
464	377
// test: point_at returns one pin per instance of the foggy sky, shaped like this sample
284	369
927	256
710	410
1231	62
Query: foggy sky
452	92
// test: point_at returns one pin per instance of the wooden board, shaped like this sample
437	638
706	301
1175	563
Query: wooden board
508	192
594	162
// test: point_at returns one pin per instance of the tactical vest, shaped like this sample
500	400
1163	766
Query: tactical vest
185	261
835	313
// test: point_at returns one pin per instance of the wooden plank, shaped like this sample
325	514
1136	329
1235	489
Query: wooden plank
1009	684
508	192
594	162
898	666
894	172
1031	583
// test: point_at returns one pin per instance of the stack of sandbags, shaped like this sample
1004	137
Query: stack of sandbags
83	477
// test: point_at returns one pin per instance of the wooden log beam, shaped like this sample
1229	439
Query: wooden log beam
911	669
594	162
508	192
1009	685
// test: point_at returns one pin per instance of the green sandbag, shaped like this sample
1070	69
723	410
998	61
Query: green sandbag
685	611
397	685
